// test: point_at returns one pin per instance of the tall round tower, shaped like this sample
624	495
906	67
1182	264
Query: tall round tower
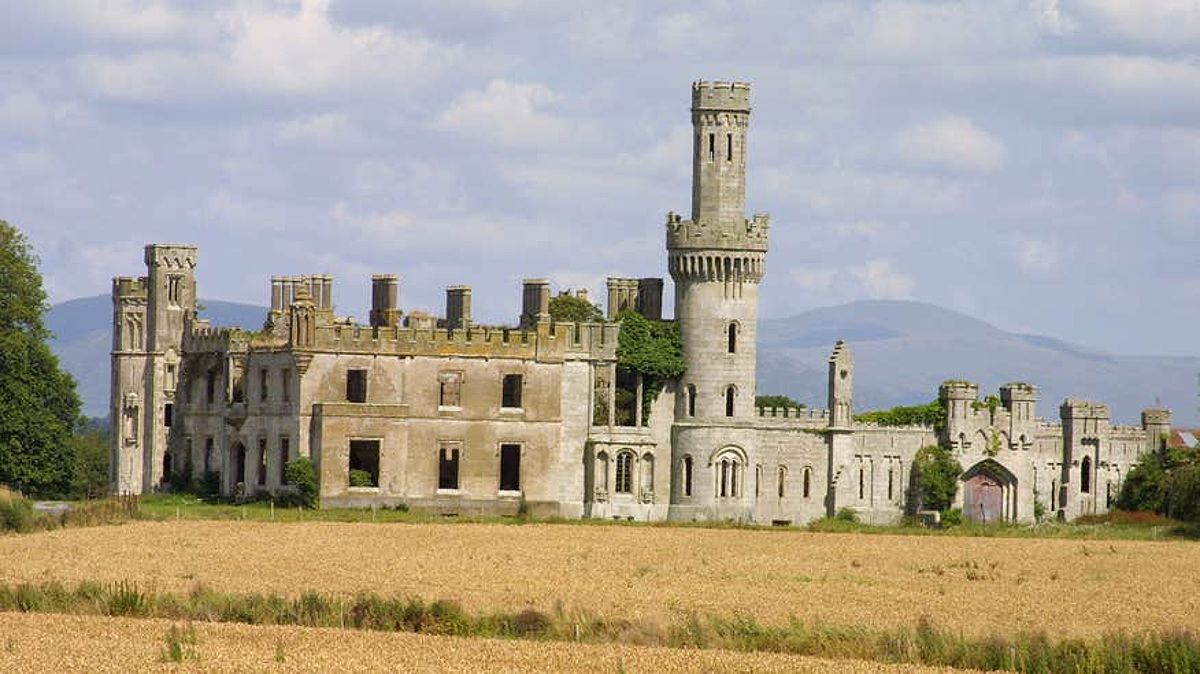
716	259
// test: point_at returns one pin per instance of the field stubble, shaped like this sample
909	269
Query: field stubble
983	586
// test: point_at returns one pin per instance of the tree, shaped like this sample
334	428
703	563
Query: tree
777	401
935	478
932	414
38	404
571	309
302	475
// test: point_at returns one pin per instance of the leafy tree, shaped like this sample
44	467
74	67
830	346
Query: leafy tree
91	469
653	349
38	404
931	414
776	401
1166	482
935	478
302	474
571	309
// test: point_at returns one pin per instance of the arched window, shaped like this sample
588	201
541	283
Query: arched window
729	393
758	473
891	478
729	475
687	476
861	482
602	471
782	478
624	473
807	482
723	478
1085	475
691	400
733	330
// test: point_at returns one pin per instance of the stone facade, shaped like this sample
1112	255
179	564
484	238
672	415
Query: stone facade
455	417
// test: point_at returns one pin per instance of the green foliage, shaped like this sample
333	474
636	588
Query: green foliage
302	475
38	404
931	414
990	403
845	514
91	460
1164	482
571	309
935	478
776	401
361	478
16	513
952	517
653	349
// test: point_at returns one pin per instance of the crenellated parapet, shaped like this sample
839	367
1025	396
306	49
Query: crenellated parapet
719	95
685	235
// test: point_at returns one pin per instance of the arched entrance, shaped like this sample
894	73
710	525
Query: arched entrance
989	493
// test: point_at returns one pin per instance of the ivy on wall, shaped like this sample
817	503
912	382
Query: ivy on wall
653	349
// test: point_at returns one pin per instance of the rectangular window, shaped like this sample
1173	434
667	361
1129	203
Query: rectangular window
861	483
171	379
356	386
510	467
286	389
364	463
168	414
263	376
210	387
712	147
510	395
450	389
262	461
729	147
448	467
284	450
173	289
208	451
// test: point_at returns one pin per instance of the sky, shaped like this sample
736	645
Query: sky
1035	164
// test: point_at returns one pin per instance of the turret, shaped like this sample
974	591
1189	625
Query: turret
958	397
1157	424
458	307
535	302
385	296
841	386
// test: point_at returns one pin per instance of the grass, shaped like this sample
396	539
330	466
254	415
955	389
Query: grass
17	513
921	643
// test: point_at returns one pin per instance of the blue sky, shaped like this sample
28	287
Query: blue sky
1035	164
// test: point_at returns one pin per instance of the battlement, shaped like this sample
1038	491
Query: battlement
171	255
718	95
1075	408
793	417
127	287
1018	390
953	389
1156	417
546	342
691	235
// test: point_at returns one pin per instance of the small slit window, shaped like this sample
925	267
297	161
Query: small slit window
729	393
261	478
1085	475
687	476
729	147
732	338
782	480
712	147
691	400
807	483
168	414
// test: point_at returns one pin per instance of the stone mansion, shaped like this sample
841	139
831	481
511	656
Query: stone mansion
443	414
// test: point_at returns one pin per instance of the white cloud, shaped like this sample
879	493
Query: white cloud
1037	256
506	114
812	280
405	230
29	111
880	281
329	128
1051	19
952	143
1154	23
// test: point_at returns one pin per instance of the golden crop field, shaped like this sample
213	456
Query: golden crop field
978	585
65	643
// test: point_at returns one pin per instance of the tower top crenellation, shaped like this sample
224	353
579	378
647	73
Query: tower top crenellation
718	95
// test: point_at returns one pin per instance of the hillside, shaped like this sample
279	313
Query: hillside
902	351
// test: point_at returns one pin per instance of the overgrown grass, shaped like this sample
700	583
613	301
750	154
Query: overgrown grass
17	513
922	643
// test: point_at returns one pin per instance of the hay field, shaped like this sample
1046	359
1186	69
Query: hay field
64	643
978	585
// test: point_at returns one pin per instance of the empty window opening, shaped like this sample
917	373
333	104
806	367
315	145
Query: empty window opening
782	477
208	450
263	390
168	414
510	467
646	473
729	401
729	147
364	463
602	470
734	483
239	455
286	389
687	476
1085	475
450	389
262	461
510	395
891	475
166	471
624	480
284	450
691	400
356	386
862	483
757	479
732	341
448	468
1054	494
210	387
625	398
807	483
174	292
712	147
724	478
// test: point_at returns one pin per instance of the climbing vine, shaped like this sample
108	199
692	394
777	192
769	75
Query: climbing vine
653	349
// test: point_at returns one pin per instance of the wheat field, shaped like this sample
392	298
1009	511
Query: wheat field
66	643
981	586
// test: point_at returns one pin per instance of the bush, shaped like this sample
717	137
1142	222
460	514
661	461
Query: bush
952	517
16	513
302	475
846	514
360	478
935	478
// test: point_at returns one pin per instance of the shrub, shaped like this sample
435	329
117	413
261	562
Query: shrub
846	514
952	517
361	478
16	513
935	476
302	475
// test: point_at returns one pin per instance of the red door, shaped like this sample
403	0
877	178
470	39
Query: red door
983	499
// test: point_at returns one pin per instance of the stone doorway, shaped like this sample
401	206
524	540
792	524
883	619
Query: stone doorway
989	493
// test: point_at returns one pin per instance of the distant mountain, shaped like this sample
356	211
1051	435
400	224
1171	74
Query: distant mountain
901	350
83	340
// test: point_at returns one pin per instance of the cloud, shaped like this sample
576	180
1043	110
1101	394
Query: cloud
1037	256
952	143
812	280
506	114
29	111
880	281
329	128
